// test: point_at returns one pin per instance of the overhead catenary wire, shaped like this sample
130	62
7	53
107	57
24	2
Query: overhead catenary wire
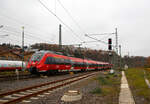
15	34
26	33
14	37
22	23
59	19
108	34
102	34
106	37
71	17
98	40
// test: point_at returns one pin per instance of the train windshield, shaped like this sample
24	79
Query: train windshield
37	57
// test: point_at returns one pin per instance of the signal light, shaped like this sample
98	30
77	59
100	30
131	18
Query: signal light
109	47
109	41
109	44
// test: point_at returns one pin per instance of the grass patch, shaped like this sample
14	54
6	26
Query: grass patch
147	72
109	84
137	83
102	80
97	91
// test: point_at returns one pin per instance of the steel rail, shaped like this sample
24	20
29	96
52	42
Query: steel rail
47	89
35	86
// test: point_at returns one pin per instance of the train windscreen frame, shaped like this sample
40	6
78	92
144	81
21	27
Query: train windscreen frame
37	56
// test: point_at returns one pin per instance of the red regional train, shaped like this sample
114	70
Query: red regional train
50	62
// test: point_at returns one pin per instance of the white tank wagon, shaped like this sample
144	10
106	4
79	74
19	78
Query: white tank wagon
11	65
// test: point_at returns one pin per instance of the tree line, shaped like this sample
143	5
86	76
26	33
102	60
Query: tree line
87	53
99	55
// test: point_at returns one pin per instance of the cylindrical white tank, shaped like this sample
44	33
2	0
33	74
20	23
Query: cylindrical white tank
11	65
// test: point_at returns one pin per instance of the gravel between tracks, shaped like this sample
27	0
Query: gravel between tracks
17	84
85	87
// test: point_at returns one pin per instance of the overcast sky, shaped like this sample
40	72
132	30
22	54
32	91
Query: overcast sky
131	17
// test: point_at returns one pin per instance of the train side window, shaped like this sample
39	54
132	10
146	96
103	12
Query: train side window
62	61
75	64
78	64
71	62
57	61
86	64
50	60
90	65
67	62
82	64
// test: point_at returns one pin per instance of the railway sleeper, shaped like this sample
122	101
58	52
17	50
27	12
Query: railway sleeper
10	97
3	100
40	95
19	95
25	93
34	98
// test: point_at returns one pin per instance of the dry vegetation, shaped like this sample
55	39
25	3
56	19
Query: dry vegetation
109	86
138	86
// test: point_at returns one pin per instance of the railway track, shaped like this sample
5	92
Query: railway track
41	89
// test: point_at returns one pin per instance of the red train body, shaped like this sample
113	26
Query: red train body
50	62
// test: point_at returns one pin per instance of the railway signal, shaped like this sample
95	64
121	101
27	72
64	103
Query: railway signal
110	44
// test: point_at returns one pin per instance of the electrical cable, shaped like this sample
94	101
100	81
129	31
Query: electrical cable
28	40
26	34
15	34
71	16
59	19
20	22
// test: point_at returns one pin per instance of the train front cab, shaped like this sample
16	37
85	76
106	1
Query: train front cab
34	62
50	64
